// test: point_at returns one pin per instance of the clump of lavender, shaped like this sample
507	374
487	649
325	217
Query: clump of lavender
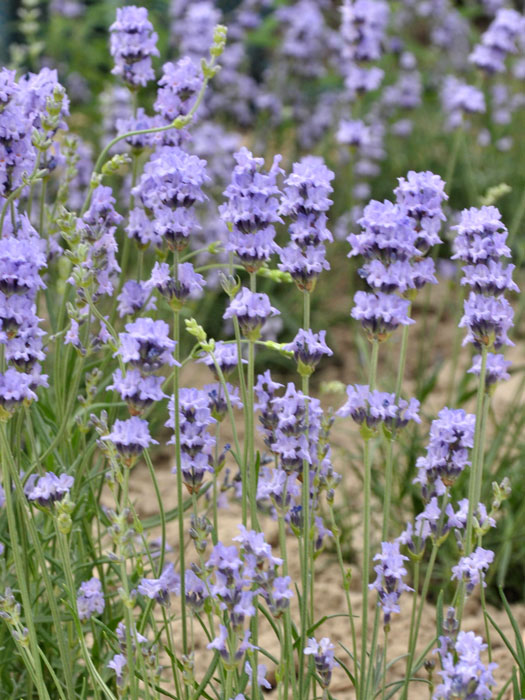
133	43
251	210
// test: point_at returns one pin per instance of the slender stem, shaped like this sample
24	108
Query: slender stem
346	588
178	463
367	492
244	463
162	514
476	470
307	565
8	472
414	626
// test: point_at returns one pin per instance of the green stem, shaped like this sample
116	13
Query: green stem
476	470
162	514
178	463
414	626
8	472
346	588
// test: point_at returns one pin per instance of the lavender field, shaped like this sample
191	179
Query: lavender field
262	369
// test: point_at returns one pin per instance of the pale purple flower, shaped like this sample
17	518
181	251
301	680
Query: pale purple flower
389	582
117	664
464	674
251	309
487	320
133	43
133	298
187	284
137	390
380	314
323	655
496	371
225	355
472	568
90	599
131	436
48	489
304	264
309	347
261	675
146	344
160	589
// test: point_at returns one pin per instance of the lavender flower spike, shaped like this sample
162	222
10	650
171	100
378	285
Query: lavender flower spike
389	582
159	589
380	314
308	349
130	436
323	654
251	310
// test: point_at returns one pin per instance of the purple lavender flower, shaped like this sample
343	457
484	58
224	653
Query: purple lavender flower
261	675
401	275
196	443
481	236
464	674
117	664
472	568
133	43
460	100
217	399
90	599
374	407
48	489
15	388
251	310
487	320
226	357
422	195
389	582
146	345
380	314
140	392
130	436
491	278
252	195
304	264
498	41
159	589
451	437
388	233
179	86
133	297
307	188
188	284
308	348
168	188
252	249
221	645
323	655
496	370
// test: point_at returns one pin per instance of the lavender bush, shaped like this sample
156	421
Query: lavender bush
161	308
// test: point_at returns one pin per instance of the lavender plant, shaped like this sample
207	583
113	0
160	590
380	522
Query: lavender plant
124	284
